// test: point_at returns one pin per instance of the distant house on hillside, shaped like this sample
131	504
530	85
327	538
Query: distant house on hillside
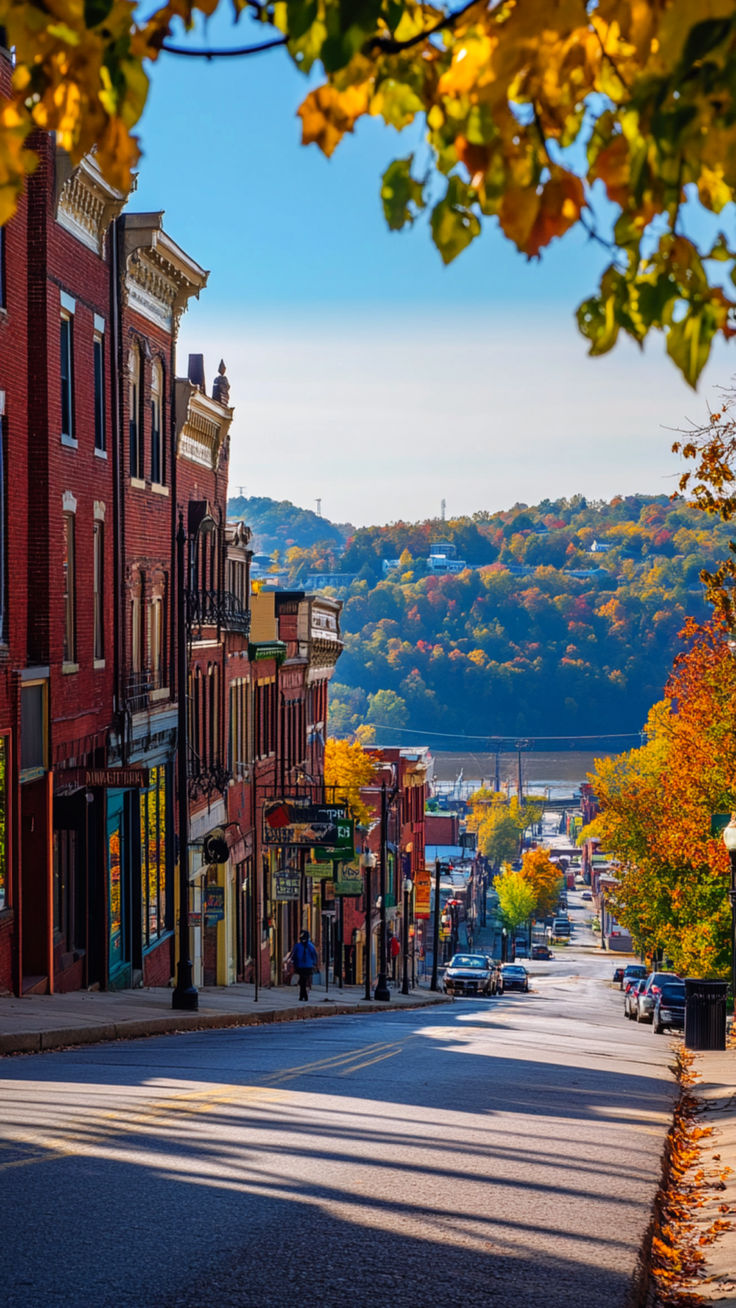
440	563
338	580
600	547
442	558
390	565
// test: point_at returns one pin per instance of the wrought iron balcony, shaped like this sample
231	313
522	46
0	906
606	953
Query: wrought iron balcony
139	687
216	608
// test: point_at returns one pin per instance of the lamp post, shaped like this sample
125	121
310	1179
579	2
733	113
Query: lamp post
367	863
436	926
729	840
382	991
408	886
504	935
185	995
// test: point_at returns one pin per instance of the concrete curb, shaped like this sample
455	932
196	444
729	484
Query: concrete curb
35	1042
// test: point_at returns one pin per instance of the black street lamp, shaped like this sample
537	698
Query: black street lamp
436	926
407	887
729	840
185	995
367	862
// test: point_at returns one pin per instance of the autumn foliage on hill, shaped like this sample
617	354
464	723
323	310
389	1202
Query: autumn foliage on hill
657	803
566	619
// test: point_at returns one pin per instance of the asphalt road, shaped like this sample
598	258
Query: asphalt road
499	1152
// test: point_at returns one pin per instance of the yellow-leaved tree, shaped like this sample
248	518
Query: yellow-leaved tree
544	877
348	767
537	116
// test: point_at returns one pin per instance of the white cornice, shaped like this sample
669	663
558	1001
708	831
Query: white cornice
159	278
85	203
202	425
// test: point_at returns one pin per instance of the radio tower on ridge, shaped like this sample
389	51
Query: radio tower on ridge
443	506
318	502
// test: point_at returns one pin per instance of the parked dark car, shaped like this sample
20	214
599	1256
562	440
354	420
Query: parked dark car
586	895
618	976
469	974
632	972
631	997
669	1008
542	951
648	997
515	977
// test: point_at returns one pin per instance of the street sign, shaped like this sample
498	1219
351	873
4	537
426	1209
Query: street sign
286	883
214	905
320	870
293	822
348	884
422	892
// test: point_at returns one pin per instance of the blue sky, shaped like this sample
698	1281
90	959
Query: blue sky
362	370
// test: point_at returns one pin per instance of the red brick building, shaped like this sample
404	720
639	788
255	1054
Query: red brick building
104	452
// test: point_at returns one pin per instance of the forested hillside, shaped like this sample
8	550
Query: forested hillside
281	525
517	644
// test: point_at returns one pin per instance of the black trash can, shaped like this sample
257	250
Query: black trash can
705	1014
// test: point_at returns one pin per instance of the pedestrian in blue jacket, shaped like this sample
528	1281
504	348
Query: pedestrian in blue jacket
305	959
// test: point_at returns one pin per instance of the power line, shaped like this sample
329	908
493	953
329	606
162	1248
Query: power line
458	735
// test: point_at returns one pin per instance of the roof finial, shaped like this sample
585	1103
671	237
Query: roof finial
221	386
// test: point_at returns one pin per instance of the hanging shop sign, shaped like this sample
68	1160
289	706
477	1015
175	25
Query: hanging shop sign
422	892
320	870
293	822
214	905
286	883
349	882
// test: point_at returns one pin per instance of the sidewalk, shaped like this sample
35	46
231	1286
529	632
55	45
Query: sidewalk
715	1093
40	1022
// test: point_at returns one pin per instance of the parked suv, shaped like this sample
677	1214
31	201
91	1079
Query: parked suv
669	1008
648	997
632	972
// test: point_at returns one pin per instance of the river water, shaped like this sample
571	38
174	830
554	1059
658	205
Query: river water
555	773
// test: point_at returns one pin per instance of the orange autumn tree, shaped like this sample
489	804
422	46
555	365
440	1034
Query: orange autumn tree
656	811
544	877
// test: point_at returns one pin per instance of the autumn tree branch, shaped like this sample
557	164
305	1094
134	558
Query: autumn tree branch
388	45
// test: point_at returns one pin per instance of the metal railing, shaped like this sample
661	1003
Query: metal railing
215	608
140	685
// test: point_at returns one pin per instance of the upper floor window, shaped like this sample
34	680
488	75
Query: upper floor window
67	376
70	607
135	424
98	591
155	639
158	470
99	370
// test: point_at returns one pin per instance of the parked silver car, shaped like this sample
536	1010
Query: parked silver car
469	974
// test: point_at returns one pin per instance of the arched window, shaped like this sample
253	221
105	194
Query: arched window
158	468
135	424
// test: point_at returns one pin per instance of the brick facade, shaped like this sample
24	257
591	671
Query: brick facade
104	451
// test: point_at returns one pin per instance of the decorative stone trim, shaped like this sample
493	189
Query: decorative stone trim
85	204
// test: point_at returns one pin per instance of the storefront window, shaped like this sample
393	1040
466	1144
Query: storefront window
116	899
3	824
154	858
